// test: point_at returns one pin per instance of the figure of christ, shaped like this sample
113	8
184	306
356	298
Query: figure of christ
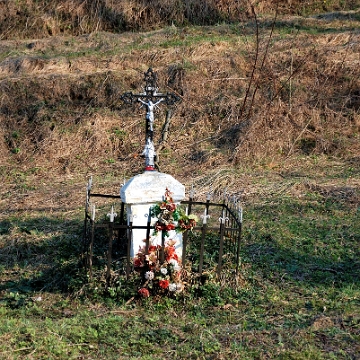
150	106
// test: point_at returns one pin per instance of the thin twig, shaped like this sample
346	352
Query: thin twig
255	62
226	79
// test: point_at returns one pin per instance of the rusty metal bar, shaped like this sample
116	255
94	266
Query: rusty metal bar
221	248
128	249
202	245
109	254
106	196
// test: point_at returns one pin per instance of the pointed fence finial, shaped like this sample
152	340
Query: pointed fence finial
112	215
192	192
204	217
223	218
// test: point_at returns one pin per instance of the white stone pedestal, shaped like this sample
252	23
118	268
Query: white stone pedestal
139	194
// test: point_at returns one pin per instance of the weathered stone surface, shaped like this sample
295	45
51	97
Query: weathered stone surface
149	187
140	193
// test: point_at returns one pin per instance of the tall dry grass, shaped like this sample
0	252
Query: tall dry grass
300	97
44	18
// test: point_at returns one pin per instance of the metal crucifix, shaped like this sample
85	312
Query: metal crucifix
150	98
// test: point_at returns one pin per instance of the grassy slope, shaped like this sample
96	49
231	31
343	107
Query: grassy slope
298	294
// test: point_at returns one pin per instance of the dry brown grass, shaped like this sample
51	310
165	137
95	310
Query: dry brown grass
44	18
60	97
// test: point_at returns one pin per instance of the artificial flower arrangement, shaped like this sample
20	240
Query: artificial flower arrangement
167	213
159	277
163	277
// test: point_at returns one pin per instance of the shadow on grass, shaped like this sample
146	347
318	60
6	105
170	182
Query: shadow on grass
276	261
314	241
40	254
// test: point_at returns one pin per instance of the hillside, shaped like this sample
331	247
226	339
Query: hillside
290	92
43	18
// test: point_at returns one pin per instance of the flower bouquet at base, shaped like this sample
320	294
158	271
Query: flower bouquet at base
159	278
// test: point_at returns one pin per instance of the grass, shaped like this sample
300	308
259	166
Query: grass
297	296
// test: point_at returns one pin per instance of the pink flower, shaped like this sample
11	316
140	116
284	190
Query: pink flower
143	292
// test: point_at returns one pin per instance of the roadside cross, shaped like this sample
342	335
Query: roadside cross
150	98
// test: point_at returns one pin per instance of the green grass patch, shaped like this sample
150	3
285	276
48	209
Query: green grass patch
296	296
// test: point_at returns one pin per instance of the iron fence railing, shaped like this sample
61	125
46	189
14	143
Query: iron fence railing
223	220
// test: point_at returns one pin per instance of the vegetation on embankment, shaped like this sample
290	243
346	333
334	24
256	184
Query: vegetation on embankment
43	18
253	93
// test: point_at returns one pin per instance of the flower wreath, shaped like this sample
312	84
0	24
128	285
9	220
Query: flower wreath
167	213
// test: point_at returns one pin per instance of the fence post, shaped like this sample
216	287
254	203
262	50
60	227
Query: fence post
222	220
121	222
92	221
109	257
184	239
239	239
112	216
128	247
201	261
162	254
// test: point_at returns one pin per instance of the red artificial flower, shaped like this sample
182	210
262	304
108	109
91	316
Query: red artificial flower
170	250
170	253
164	284
171	207
158	226
143	292
152	248
138	262
170	227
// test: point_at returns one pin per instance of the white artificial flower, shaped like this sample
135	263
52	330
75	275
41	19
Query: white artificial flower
175	264
149	275
172	287
163	271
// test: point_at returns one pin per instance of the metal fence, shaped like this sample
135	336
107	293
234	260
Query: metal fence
223	220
